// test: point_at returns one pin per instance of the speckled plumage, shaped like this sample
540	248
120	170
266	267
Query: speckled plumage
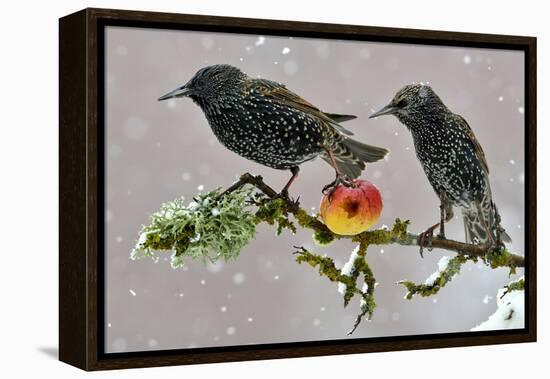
452	159
263	121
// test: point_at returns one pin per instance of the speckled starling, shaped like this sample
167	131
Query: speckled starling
453	161
263	121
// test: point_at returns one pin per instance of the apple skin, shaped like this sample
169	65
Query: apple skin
352	210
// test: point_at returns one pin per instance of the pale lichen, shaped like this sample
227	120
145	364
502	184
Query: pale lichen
208	228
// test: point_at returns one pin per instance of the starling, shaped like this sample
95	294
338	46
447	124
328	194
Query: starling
453	161
263	121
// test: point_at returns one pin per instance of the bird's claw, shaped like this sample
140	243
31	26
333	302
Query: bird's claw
285	196
329	189
295	202
425	240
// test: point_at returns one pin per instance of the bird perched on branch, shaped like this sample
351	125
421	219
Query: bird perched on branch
453	161
263	121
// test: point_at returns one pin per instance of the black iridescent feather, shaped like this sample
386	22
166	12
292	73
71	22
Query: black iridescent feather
452	158
263	121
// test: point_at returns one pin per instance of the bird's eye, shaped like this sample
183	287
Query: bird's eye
402	103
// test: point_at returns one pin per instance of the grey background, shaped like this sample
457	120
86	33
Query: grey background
159	151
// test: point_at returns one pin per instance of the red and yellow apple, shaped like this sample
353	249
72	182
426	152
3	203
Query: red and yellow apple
351	210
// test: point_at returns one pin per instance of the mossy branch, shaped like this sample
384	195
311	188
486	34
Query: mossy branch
358	267
397	235
448	269
219	224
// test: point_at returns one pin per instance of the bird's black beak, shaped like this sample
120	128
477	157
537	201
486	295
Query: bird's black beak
388	109
178	92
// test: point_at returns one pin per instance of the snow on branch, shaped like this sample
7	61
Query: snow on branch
510	313
219	224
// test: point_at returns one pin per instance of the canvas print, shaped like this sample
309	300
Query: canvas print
276	189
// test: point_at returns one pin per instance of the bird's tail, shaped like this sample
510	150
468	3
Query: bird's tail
351	156
482	219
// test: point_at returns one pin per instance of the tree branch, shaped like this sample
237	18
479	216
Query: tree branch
397	235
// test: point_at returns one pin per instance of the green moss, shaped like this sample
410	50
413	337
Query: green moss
208	228
326	267
322	237
384	236
445	276
399	229
274	212
305	220
518	285
500	257
374	237
361	267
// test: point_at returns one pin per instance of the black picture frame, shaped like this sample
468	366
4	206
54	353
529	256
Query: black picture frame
81	109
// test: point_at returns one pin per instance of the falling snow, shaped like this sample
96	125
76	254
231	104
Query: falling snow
364	53
231	330
171	103
207	42
138	128
239	278
290	67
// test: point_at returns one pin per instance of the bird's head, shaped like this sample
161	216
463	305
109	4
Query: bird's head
412	102
209	84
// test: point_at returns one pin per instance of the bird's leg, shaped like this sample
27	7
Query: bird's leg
340	179
445	213
442	220
284	192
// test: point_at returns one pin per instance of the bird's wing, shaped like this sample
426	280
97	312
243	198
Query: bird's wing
282	95
475	143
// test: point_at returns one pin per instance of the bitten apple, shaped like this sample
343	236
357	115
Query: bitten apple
352	210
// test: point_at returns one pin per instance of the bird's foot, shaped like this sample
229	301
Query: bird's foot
425	239
493	244
329	189
285	196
